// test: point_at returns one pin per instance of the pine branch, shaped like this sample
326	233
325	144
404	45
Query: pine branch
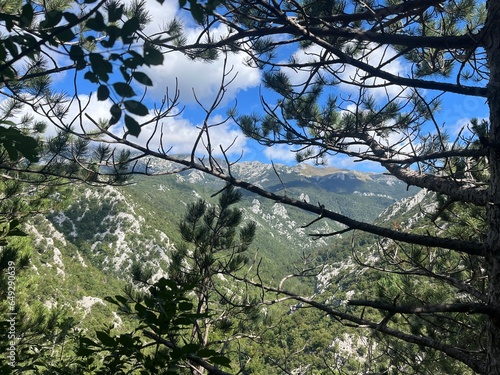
451	351
467	247
469	308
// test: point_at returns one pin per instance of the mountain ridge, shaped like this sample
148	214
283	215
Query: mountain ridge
88	250
113	228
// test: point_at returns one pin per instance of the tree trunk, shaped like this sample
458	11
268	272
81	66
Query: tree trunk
492	46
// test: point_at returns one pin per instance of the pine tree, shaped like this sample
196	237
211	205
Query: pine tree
192	317
215	248
397	59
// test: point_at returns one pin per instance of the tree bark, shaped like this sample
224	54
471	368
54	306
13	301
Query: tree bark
492	46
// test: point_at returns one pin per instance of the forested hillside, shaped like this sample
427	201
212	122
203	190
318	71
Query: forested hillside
141	232
90	249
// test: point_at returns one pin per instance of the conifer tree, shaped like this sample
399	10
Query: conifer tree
397	59
191	317
366	79
214	249
34	167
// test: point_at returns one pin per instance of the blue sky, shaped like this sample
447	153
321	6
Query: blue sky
203	79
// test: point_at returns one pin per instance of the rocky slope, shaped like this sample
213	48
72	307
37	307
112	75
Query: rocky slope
105	231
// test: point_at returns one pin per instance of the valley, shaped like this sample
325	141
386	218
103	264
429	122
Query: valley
89	250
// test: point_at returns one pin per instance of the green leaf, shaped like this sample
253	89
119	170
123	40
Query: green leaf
142	78
13	226
176	354
27	14
197	11
102	92
16	232
190	348
127	340
132	125
17	143
163	283
116	114
3	53
206	353
121	299
71	18
9	21
128	29
77	55
66	35
124	72
221	361
96	23
9	73
113	33
84	347
100	66
140	308
185	306
52	18
152	56
114	12
118	300
135	107
212	4
105	339
183	321
123	89
134	60
28	146
84	352
11	150
90	76
12	47
86	341
111	300
30	45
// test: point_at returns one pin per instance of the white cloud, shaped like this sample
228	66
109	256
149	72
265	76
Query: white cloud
346	162
375	56
73	116
282	153
457	111
202	78
199	78
311	54
179	135
176	134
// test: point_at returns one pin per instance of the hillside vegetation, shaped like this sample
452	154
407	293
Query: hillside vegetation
93	247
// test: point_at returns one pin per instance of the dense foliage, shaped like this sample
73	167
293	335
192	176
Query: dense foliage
430	293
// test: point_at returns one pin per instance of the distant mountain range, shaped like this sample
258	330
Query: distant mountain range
88	249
